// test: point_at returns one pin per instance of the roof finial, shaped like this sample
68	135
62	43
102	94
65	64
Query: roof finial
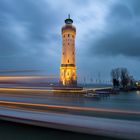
68	20
69	16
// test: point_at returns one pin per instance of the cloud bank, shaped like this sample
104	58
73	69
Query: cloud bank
108	35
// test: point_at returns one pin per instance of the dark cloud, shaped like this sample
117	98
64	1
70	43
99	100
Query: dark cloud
122	32
123	42
30	33
134	5
27	30
119	13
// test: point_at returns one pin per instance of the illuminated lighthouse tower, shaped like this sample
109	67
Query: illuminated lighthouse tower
68	67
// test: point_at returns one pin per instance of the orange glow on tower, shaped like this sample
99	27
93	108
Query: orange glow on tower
68	75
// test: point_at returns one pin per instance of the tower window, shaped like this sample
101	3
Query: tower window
68	43
63	53
68	35
68	60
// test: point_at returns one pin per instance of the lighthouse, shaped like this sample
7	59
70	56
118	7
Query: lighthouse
68	75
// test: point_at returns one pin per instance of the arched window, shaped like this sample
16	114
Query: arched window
68	60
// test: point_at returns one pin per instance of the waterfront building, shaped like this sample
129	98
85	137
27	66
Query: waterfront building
68	75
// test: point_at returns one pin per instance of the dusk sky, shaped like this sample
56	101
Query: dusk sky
108	35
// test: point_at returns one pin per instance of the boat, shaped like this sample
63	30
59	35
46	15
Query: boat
92	95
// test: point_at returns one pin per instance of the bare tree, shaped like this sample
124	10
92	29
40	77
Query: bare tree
115	74
120	77
124	77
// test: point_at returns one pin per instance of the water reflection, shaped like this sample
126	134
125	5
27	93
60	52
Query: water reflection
138	92
126	100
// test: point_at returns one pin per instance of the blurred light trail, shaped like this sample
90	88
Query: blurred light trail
7	103
5	78
37	90
122	129
18	71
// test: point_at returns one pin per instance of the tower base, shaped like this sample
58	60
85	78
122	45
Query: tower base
69	83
